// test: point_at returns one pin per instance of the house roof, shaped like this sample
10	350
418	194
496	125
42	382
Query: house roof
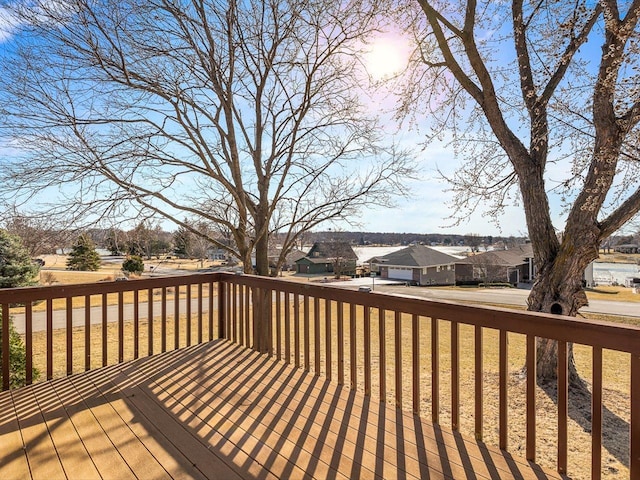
318	260
514	256
290	258
332	250
417	256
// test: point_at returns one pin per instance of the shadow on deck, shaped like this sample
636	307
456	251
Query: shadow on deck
218	410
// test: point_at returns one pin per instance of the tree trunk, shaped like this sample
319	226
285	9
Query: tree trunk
558	289
262	256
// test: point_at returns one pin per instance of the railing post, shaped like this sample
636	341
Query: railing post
221	309
5	346
634	454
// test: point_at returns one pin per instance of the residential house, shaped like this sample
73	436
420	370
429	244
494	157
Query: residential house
289	261
514	266
418	265
328	257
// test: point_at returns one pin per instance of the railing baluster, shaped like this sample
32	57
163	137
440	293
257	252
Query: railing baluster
87	332
305	319
287	329
296	329
230	313
502	383
176	317
278	325
136	324
479	382
634	434
233	310
382	360
455	375
49	339
104	329
244	333
267	295
596	415
563	406
221	310
120	327
340	339
5	347
188	314
397	332
200	293
163	321
211	298
28	341
316	335
415	362
352	347
435	370
327	338
531	397
367	350
247	317
69	334
150	320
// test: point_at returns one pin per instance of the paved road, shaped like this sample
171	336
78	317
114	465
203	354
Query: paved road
506	296
77	316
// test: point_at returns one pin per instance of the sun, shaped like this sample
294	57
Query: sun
386	56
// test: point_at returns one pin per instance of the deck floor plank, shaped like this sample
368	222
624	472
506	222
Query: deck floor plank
13	458
158	457
218	410
181	451
106	408
41	452
287	456
75	396
74	457
188	409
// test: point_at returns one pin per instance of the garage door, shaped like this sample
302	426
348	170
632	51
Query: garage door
401	273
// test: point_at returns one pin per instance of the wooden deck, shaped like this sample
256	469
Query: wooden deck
221	411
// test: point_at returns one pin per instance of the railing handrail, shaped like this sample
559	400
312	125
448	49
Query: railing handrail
598	333
604	334
47	292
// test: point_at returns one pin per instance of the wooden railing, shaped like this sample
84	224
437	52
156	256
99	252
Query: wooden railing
455	364
415	353
71	328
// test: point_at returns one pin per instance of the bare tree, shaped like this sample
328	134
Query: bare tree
524	93
247	114
39	235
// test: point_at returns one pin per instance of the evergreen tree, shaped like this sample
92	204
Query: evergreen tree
133	264
83	255
182	240
17	358
16	267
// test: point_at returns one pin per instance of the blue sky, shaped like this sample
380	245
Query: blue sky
428	207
